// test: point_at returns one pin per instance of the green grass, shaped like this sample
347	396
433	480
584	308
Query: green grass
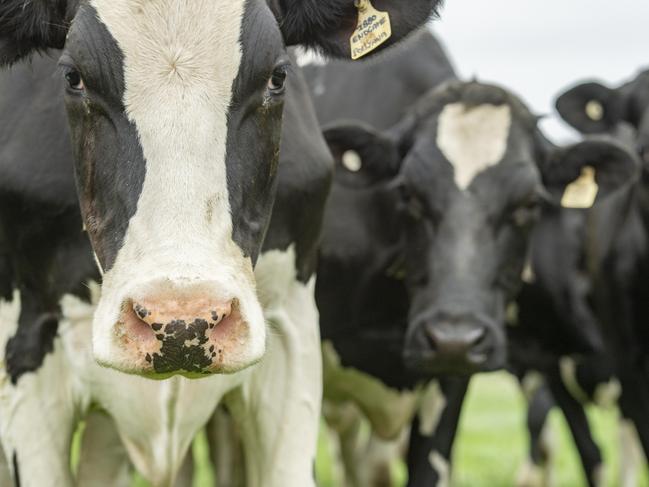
491	444
492	440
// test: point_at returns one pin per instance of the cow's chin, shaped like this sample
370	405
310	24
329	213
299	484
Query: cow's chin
219	337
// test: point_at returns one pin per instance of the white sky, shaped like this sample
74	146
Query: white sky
539	47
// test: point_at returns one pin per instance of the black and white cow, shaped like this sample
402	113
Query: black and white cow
617	243
555	343
360	299
445	200
175	113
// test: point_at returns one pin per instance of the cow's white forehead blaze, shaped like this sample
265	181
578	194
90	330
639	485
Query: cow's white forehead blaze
181	58
473	138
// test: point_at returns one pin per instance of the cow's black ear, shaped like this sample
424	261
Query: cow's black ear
591	108
329	26
585	173
362	155
34	25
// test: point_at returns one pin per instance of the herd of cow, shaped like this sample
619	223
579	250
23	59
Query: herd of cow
172	180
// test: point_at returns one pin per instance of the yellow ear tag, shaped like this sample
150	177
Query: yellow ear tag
372	30
581	193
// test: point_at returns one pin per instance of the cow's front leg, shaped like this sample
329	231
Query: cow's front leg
537	471
278	407
432	437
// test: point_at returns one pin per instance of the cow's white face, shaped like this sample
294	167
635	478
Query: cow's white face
175	110
176	126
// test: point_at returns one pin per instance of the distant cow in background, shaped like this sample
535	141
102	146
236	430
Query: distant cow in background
617	241
175	115
445	200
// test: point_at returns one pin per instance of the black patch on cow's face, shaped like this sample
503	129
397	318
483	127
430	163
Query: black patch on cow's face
254	128
304	179
109	163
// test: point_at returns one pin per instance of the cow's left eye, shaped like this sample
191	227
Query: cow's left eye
75	82
277	81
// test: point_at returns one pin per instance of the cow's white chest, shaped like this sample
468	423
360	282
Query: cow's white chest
156	420
473	138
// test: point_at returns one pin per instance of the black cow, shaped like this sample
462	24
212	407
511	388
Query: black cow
378	93
617	242
444	200
555	343
175	113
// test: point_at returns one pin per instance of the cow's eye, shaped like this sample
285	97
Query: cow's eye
74	80
277	81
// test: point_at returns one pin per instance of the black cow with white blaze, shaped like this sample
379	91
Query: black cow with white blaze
360	293
203	237
429	223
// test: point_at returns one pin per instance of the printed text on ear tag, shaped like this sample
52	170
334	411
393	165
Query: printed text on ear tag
581	193
372	30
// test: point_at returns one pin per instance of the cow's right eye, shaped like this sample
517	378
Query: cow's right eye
74	80
277	81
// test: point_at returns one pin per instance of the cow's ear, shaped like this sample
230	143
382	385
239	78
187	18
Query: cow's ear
362	155
585	173
591	108
329	26
35	25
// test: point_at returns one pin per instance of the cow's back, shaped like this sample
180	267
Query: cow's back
379	91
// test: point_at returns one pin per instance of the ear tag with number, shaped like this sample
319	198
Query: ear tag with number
582	192
372	30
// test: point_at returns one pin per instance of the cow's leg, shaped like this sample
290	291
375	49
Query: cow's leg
537	470
380	457
226	451
278	407
37	413
344	425
630	454
429	452
575	415
103	460
634	403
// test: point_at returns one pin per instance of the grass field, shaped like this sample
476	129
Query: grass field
491	444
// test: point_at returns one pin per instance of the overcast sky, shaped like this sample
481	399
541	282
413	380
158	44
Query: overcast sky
539	47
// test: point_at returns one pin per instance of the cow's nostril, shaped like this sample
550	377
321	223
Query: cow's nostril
159	315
